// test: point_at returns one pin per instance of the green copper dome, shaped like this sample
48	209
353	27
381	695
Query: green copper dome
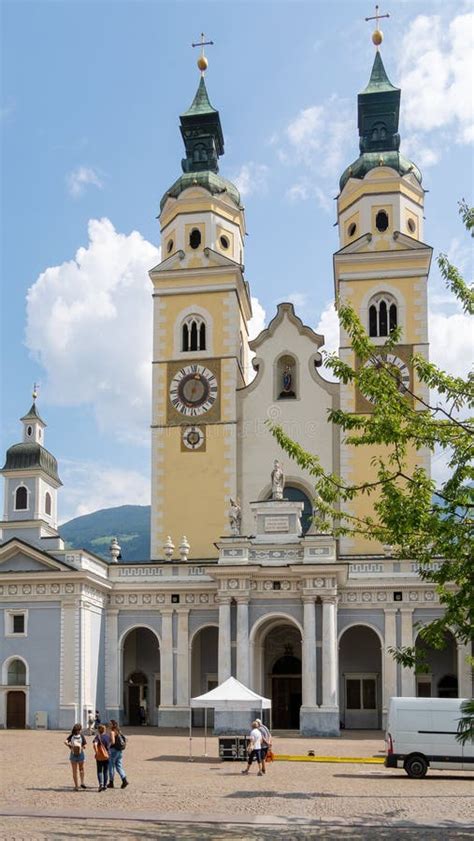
29	455
211	181
203	138
378	107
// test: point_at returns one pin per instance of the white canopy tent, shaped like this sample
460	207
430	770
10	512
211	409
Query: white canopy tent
230	695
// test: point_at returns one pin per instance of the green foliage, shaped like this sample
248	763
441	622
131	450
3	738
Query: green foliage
430	525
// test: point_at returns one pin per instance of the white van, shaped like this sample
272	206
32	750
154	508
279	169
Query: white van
421	734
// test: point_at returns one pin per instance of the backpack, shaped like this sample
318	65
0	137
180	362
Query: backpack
76	744
120	742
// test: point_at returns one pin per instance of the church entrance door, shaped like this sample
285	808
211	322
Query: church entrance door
16	710
286	693
279	658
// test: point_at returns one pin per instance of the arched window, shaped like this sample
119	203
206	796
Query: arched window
21	498
383	316
193	334
16	673
297	495
195	238
47	503
381	221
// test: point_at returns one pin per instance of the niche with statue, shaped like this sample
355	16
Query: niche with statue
286	378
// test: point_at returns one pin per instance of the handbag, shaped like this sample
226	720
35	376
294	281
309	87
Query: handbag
270	755
101	752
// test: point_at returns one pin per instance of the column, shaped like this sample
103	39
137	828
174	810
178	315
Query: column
389	665
243	665
464	671
166	658
330	652
309	652
224	641
408	688
182	697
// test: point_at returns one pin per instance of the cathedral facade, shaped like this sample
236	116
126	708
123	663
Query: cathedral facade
251	590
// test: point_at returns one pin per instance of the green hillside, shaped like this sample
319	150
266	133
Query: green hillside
130	524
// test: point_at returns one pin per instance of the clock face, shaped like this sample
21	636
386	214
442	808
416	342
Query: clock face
193	390
399	367
193	437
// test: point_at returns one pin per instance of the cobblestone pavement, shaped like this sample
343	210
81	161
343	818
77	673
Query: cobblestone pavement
339	800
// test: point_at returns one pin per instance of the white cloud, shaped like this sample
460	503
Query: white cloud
298	192
252	178
328	326
89	486
257	322
416	148
451	342
435	74
89	323
322	136
80	178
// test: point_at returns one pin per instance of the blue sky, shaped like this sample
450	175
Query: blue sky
91	94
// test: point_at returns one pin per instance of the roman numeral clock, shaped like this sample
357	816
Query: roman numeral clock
193	396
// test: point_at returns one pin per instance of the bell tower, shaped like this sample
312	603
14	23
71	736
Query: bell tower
382	265
200	341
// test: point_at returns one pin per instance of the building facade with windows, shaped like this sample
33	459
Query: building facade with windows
295	615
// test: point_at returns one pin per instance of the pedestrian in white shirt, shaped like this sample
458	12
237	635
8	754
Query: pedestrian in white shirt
255	749
266	742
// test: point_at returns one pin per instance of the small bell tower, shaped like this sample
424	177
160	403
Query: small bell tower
31	484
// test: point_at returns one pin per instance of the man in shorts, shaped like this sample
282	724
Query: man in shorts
255	749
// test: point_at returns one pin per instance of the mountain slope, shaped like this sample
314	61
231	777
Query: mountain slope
130	524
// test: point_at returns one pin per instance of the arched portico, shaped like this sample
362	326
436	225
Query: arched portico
276	663
360	677
203	651
141	675
441	679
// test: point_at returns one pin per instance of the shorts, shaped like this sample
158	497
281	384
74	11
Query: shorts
265	749
255	754
77	757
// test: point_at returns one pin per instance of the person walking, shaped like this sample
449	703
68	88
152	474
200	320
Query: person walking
255	749
266	742
101	745
117	746
76	743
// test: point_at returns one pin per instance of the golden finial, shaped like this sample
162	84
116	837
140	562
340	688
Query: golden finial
202	61
34	393
377	34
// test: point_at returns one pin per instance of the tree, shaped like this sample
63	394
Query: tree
418	520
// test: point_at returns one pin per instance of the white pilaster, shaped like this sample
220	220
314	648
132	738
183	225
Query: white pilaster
309	653
183	659
408	689
464	671
243	664
330	652
224	667
112	670
69	655
388	663
167	658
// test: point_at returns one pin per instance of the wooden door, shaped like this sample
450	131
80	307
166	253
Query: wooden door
16	710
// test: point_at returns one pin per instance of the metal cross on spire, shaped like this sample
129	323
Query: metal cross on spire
202	61
35	391
377	35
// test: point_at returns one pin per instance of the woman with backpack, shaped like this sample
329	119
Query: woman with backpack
117	746
101	745
76	742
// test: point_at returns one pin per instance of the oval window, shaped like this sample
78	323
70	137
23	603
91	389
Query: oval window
352	229
169	246
224	242
381	221
411	226
29	430
195	238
